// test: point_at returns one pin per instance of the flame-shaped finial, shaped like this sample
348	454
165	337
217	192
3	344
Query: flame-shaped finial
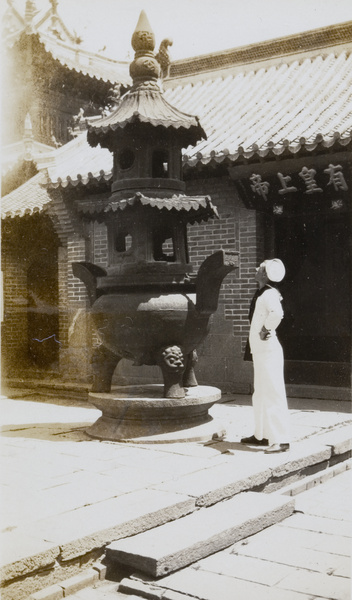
145	67
143	39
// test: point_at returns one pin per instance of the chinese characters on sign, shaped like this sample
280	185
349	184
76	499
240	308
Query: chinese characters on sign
260	187
285	189
335	179
308	178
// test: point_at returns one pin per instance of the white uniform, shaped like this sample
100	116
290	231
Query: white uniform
271	415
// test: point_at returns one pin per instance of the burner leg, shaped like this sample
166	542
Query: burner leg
171	361
104	363
189	377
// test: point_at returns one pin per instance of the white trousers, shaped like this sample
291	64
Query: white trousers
271	416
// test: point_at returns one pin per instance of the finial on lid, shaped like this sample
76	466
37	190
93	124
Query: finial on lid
145	69
143	39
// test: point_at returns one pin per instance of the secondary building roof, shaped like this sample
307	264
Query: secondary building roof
57	41
30	198
88	63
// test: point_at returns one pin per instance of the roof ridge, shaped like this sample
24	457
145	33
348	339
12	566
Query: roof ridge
45	37
107	71
315	39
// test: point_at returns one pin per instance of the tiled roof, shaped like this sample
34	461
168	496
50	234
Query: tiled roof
61	44
286	106
77	162
31	197
309	41
33	20
285	109
88	63
79	60
198	208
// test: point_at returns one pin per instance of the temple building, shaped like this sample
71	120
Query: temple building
50	85
276	163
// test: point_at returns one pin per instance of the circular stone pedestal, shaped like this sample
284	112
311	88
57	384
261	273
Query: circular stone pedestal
140	414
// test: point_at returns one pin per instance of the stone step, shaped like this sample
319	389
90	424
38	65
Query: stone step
319	392
182	542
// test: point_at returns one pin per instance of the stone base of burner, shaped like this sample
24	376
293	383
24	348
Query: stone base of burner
140	414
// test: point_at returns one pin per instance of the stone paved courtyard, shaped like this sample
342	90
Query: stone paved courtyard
65	495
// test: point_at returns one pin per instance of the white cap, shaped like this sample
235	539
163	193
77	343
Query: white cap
275	269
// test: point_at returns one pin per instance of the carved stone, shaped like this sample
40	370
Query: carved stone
141	414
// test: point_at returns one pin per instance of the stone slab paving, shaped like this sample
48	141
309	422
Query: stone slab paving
65	495
305	556
179	543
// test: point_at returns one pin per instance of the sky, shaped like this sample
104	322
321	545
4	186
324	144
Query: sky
196	26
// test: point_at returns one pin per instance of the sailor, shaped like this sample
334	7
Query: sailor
271	416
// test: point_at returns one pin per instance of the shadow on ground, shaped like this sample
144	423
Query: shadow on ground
52	432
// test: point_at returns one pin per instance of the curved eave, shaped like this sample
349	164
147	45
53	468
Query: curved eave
270	151
80	180
94	70
112	78
254	154
30	198
88	63
11	214
146	106
196	208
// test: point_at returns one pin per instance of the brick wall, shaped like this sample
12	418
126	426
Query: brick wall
100	245
14	327
221	354
76	336
63	294
27	244
77	340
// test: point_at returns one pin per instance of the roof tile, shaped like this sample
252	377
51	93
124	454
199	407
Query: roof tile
282	102
89	63
283	108
29	198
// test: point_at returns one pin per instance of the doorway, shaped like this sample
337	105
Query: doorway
316	331
43	317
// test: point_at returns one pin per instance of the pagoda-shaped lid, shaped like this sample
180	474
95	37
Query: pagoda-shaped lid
144	102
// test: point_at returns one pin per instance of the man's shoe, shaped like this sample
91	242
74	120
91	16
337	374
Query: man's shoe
252	440
277	448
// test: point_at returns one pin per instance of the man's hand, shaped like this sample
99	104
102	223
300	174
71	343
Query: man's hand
264	333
